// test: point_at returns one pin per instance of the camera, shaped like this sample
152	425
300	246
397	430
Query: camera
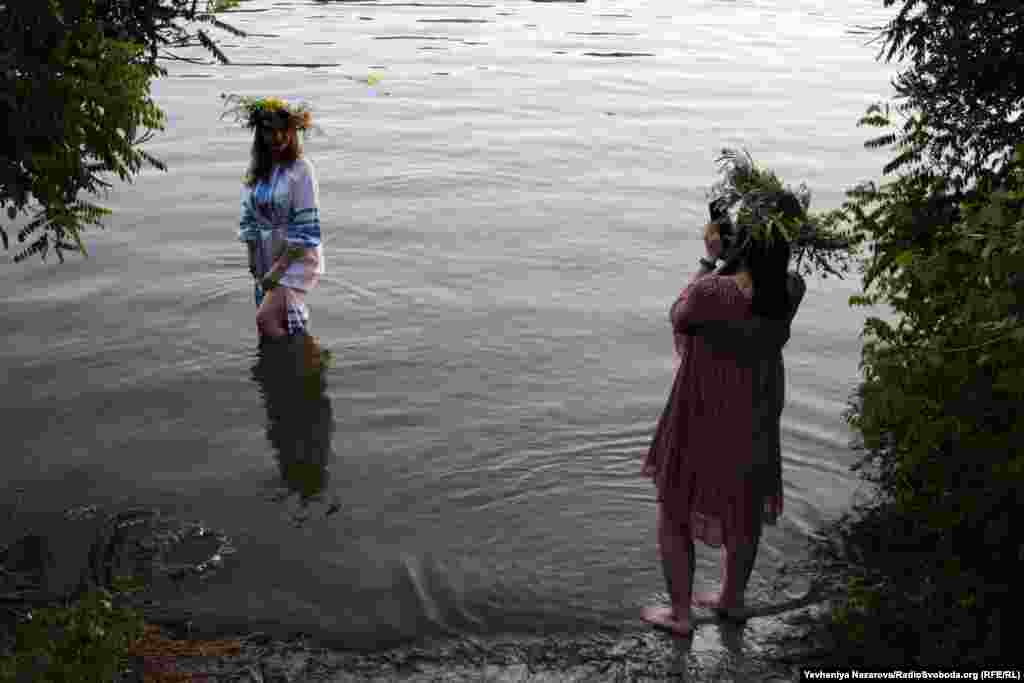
719	211
734	239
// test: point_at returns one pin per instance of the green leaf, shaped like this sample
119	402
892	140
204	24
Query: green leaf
905	258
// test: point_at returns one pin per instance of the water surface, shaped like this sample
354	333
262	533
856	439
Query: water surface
508	215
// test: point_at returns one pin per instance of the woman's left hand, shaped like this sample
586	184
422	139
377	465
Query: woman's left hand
277	271
270	280
713	241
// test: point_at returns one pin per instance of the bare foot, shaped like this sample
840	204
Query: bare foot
664	617
714	602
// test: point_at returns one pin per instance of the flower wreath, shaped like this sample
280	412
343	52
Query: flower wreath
273	112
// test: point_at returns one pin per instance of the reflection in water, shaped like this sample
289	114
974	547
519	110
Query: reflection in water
730	634
680	659
292	376
736	656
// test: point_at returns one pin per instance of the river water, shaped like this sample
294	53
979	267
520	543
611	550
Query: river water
508	213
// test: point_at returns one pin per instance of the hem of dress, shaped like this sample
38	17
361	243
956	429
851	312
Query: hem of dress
715	528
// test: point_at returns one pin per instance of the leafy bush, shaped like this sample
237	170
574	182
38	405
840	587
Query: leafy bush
924	571
85	642
938	416
75	105
754	193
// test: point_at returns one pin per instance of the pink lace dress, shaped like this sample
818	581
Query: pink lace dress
702	453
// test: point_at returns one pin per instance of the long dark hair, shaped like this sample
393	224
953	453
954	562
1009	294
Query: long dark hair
768	262
262	161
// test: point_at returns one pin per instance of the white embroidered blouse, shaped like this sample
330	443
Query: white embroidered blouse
282	212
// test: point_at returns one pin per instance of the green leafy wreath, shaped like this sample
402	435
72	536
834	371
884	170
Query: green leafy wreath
757	200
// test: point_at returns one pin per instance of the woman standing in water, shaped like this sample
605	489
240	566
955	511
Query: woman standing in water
706	456
280	214
757	341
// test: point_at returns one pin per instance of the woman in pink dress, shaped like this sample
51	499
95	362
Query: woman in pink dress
704	458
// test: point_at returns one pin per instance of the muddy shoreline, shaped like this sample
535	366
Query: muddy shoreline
167	554
637	656
177	648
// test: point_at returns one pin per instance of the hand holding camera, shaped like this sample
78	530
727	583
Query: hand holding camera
270	280
713	241
722	238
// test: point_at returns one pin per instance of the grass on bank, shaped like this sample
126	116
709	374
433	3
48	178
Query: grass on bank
96	640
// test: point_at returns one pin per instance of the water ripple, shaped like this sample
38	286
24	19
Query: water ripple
453	21
499	249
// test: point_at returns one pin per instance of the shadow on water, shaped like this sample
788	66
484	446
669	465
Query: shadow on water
292	378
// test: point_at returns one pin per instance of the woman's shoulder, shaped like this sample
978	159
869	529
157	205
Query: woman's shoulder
302	167
721	284
701	286
710	283
719	287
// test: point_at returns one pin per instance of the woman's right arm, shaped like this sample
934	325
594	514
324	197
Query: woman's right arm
713	248
752	339
248	229
695	304
755	338
252	258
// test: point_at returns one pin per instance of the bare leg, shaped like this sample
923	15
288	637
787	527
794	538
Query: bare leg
739	564
270	318
739	556
677	562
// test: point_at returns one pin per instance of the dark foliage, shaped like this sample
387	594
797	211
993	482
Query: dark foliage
965	84
923	572
75	105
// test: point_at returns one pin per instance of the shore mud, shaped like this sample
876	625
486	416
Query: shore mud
161	553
